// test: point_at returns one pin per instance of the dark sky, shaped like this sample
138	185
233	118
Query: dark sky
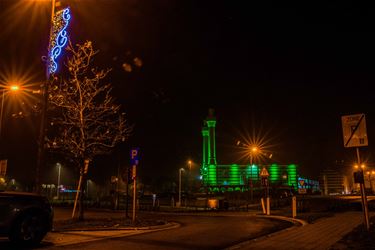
286	73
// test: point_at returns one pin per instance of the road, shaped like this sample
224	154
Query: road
195	232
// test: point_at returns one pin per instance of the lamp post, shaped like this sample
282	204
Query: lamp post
189	176
179	186
253	150
58	179
42	132
1	112
11	88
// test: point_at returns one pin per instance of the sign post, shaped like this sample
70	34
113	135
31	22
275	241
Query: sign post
134	160
355	135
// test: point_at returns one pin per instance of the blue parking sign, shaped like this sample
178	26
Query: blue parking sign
134	156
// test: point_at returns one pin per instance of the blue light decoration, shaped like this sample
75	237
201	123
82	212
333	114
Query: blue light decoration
59	37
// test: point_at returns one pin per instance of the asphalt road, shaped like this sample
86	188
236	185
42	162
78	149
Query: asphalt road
196	232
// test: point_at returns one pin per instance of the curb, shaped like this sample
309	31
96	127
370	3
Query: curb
279	217
168	225
296	222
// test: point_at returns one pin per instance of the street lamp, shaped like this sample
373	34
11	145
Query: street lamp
253	150
58	179
189	175
179	186
11	88
42	132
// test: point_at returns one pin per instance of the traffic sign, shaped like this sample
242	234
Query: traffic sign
354	130
302	191
134	156
264	173
301	182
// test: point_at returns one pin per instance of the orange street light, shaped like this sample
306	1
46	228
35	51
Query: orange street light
11	88
189	162
14	88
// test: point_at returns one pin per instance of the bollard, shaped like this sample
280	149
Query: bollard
263	207
294	207
268	206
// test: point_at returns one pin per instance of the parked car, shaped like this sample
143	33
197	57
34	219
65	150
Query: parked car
25	218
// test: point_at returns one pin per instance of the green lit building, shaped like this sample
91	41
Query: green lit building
234	177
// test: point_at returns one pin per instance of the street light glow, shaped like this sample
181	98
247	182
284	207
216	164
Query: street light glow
14	88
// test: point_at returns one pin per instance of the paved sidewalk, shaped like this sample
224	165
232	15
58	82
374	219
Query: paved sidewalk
320	235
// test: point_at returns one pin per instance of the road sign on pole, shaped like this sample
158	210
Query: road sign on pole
134	160
264	173
354	130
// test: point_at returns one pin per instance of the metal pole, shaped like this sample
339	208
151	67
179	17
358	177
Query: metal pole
127	197
58	180
363	195
179	188
134	197
1	112
189	178
251	178
87	188
41	150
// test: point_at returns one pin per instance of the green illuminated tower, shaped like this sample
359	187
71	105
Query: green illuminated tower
211	123
209	164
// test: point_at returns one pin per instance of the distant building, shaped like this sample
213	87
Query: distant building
234	177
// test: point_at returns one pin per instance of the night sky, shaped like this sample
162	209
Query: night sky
285	73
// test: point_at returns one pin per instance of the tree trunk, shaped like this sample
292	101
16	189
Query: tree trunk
83	173
81	198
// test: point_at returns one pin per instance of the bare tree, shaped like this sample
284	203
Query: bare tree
86	121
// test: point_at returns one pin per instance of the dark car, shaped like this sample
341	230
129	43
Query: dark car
24	217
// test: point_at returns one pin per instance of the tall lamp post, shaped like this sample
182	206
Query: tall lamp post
57	40
189	176
41	149
253	150
12	88
179	186
58	179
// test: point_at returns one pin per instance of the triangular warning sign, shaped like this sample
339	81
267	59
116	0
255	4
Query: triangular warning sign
264	173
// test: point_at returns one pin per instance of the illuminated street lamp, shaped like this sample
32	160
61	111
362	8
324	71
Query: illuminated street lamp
179	186
253	150
189	175
11	88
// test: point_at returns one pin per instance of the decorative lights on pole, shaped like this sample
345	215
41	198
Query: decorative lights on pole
58	38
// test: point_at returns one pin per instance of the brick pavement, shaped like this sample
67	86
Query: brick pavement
320	235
